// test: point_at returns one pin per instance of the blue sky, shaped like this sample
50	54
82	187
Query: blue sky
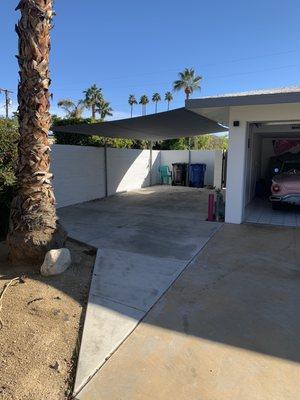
138	47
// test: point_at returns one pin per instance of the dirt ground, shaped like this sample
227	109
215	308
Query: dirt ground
42	322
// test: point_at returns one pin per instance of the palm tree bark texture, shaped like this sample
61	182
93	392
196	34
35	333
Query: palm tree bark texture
34	227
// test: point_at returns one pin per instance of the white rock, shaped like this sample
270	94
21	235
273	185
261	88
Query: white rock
56	262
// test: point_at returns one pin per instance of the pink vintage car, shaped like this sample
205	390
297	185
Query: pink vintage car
285	186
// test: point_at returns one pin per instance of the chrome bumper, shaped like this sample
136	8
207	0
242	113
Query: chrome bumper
290	199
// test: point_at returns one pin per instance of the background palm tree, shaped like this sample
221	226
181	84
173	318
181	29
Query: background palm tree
168	98
103	109
156	98
73	110
131	101
93	97
144	101
188	82
34	228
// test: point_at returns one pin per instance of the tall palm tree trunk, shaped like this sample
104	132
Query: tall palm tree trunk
131	109
34	228
93	111
168	105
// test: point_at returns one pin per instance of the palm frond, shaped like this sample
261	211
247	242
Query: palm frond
168	96
188	81
93	95
132	100
178	85
67	105
144	100
156	97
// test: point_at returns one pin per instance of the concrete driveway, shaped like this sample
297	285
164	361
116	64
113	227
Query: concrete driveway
227	329
161	221
146	238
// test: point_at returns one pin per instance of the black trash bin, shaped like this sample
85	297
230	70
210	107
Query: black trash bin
179	174
196	175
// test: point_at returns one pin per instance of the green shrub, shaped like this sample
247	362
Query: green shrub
212	142
8	159
202	142
173	144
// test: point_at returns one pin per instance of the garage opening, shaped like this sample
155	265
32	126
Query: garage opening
272	181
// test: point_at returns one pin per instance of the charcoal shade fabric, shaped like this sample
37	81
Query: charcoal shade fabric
165	125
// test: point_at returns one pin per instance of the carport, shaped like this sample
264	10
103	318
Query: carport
172	124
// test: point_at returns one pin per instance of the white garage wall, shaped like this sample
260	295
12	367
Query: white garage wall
218	166
79	170
253	166
212	159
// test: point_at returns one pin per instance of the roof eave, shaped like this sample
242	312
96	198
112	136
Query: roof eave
243	100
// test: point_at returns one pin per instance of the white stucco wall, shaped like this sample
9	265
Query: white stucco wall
129	169
235	174
238	155
212	159
79	173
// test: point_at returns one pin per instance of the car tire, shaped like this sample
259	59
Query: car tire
276	205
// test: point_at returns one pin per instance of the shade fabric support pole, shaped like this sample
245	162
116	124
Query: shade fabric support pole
151	161
189	163
105	169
